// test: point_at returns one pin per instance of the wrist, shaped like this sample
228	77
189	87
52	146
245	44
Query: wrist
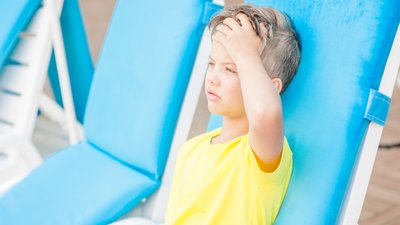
248	59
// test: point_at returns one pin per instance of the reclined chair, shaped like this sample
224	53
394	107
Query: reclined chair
334	109
130	118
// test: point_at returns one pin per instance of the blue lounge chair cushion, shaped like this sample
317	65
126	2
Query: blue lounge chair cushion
78	185
141	78
15	15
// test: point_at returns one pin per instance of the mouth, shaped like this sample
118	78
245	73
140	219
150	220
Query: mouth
212	96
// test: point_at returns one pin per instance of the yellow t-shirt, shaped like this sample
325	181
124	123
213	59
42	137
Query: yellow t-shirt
222	184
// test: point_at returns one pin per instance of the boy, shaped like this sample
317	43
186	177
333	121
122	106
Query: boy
239	173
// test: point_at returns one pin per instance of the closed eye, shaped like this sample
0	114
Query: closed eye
232	71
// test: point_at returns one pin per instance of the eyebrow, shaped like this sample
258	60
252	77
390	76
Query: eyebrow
223	62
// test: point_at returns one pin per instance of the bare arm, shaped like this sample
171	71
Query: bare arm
264	112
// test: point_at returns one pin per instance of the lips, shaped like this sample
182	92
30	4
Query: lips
212	95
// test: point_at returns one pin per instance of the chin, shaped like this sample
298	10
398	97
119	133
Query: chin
214	110
225	112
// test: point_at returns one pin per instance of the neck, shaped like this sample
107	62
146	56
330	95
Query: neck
233	127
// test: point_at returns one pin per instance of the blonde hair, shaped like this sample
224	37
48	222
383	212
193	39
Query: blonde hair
281	49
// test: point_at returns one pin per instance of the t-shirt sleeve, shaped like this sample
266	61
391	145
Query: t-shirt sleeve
276	177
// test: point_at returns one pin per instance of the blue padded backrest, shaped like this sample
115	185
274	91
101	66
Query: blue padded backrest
345	47
14	15
141	78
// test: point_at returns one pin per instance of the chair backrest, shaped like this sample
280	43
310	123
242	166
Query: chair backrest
141	78
345	48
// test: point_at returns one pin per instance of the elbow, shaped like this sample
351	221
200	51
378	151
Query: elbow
263	116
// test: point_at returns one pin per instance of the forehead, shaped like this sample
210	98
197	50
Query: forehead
219	53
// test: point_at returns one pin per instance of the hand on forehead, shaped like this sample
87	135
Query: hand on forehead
238	36
240	22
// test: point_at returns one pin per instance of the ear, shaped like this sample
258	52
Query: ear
278	84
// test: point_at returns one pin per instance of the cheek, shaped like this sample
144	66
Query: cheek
235	90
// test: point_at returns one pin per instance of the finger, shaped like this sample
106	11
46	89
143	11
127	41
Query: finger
223	29
267	30
218	37
263	28
232	23
244	20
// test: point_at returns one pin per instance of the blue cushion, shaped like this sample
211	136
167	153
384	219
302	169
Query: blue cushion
79	185
141	78
345	48
15	15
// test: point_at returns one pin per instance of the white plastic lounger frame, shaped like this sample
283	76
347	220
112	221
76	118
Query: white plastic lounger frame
27	79
57	114
21	157
17	154
62	68
354	201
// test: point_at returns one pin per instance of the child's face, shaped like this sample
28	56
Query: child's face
222	85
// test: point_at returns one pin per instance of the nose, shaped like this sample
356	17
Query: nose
213	75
